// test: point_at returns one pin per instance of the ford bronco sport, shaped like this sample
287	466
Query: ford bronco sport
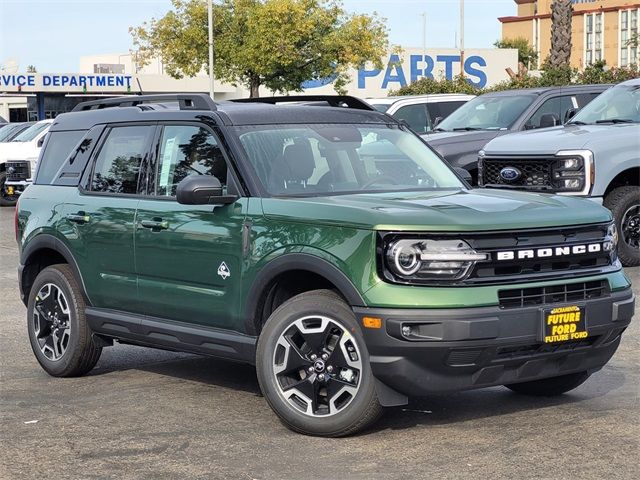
327	245
595	155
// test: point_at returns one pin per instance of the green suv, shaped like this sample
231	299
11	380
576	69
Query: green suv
323	242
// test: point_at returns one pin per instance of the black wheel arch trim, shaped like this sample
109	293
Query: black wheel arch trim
50	242
296	261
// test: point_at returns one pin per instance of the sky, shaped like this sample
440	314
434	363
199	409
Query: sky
52	35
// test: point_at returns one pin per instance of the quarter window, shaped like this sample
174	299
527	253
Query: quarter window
187	150
117	167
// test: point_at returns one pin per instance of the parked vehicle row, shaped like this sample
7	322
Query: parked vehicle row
323	242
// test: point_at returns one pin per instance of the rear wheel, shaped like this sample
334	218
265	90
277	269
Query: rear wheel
6	199
313	367
60	337
550	387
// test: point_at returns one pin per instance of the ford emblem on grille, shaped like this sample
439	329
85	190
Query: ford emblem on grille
510	174
11	170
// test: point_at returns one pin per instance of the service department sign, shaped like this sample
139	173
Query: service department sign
65	82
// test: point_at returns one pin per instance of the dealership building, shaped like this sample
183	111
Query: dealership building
33	96
601	30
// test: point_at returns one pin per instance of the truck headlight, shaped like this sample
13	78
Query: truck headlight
571	173
409	259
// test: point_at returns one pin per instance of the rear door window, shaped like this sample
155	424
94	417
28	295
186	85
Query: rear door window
117	166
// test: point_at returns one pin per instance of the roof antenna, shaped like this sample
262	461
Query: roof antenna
139	86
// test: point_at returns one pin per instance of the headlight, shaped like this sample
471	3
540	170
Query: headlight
571	173
431	259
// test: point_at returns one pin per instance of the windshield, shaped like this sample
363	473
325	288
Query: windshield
487	113
31	132
9	131
619	104
317	160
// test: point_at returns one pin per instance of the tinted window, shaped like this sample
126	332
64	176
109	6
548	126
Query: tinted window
188	150
443	109
415	116
117	167
59	146
556	106
317	160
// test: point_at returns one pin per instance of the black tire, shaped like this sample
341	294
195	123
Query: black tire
624	203
550	387
363	407
6	200
81	354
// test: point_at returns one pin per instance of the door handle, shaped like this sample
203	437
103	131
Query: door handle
80	218
155	225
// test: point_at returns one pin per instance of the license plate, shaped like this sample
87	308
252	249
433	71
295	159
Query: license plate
564	324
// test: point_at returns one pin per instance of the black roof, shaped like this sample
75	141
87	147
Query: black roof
89	114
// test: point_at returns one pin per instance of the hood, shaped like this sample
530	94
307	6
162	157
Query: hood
457	210
552	140
454	145
17	151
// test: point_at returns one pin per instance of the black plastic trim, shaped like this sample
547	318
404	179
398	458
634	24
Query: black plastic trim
296	261
172	335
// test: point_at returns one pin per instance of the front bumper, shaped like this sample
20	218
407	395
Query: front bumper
468	348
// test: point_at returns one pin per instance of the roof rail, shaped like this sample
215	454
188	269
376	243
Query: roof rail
186	101
345	101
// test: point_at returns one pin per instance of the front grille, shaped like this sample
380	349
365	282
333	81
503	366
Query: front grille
18	170
536	173
572	292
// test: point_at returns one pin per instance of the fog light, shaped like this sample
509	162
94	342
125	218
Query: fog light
572	183
406	330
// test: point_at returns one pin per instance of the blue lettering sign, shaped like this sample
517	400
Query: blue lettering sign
363	74
448	60
394	64
474	72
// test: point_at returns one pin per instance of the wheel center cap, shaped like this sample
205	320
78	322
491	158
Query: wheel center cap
318	366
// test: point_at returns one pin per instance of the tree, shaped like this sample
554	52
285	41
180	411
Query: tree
561	18
276	43
526	54
31	69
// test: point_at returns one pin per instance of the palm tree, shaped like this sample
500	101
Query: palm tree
561	15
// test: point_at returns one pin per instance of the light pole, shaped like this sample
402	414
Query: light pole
210	26
461	37
424	33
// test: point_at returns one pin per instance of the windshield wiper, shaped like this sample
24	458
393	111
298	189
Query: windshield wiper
467	129
438	129
577	123
615	120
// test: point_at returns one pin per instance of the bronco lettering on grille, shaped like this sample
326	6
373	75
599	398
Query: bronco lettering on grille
551	252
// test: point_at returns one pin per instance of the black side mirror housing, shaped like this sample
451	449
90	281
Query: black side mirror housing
549	120
40	142
570	114
465	174
437	121
202	190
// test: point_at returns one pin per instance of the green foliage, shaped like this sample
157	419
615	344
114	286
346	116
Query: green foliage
276	43
426	86
549	77
526	54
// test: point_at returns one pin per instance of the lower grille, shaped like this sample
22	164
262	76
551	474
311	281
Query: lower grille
18	170
572	292
538	348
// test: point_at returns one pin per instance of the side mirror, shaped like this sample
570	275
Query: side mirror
466	176
437	121
40	142
202	190
570	114
549	120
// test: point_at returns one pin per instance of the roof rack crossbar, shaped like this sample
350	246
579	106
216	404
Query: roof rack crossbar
186	101
345	101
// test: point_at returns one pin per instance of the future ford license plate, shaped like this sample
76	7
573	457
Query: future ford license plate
563	324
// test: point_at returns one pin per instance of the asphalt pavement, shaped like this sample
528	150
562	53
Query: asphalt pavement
144	413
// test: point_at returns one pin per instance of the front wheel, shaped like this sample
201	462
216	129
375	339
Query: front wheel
550	387
313	367
624	203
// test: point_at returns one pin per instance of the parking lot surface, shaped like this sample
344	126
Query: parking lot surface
144	413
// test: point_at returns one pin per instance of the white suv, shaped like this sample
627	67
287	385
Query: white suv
421	112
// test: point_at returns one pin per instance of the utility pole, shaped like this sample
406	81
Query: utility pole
424	34
461	37
210	25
